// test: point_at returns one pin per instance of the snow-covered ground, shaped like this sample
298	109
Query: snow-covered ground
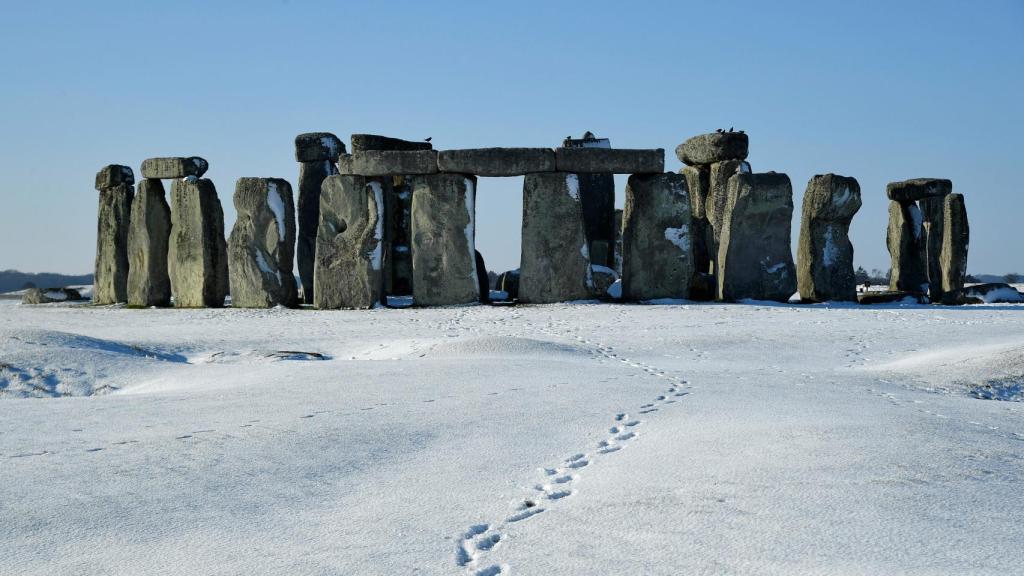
562	439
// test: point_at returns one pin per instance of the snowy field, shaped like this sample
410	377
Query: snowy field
562	439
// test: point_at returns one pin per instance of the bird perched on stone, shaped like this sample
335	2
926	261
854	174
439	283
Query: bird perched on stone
730	129
718	130
428	139
742	132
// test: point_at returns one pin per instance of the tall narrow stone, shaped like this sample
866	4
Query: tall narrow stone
597	195
197	257
398	276
955	239
262	245
657	238
148	239
349	244
317	154
555	260
698	183
755	260
906	242
443	240
825	253
110	280
932	216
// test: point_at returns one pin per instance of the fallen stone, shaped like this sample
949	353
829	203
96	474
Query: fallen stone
349	244
388	163
754	256
955	240
148	241
657	259
610	160
555	259
311	178
111	275
36	296
918	188
364	142
891	296
992	293
114	175
825	253
443	247
496	161
197	258
170	168
261	248
317	147
906	243
603	277
715	147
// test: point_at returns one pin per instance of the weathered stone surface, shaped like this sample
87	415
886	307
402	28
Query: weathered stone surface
932	216
364	142
891	296
918	188
349	244
261	248
618	241
114	175
698	183
317	147
603	278
398	276
754	256
443	246
148	240
955	239
555	260
610	160
48	295
169	168
508	282
657	259
111	275
496	161
906	243
311	178
718	195
597	195
197	258
388	163
825	253
715	147
482	281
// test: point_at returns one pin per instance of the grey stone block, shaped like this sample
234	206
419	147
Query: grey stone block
364	142
698	183
917	188
754	255
111	274
169	168
717	199
349	244
197	258
906	242
610	160
388	163
496	161
555	260
317	147
715	147
955	239
114	175
657	259
443	247
261	248
825	253
311	178
932	217
148	241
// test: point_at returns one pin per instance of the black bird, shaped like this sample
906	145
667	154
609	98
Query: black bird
719	130
742	132
428	139
730	128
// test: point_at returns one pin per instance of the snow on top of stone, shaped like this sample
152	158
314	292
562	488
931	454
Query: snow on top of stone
596	143
744	168
603	269
190	179
680	237
376	255
831	252
261	261
198	162
471	226
276	205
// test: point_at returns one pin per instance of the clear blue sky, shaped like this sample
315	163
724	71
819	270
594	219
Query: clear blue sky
880	91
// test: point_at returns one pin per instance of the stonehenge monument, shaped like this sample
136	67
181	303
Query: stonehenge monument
348	270
825	253
262	244
317	154
656	238
148	241
114	183
197	258
443	246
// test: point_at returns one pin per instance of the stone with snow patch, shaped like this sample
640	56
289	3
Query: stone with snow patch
891	297
197	258
348	270
657	243
148	238
388	163
311	178
707	149
610	160
992	293
755	260
716	200
604	277
112	223
364	142
825	253
444	268
917	188
555	256
508	282
177	167
318	146
261	247
49	295
496	161
906	242
956	236
114	175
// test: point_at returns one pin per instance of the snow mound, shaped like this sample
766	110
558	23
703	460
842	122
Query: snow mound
986	371
503	346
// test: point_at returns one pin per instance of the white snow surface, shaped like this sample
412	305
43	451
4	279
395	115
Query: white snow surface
680	237
675	439
276	205
264	267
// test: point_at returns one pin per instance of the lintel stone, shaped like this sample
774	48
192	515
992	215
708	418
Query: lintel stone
610	160
497	161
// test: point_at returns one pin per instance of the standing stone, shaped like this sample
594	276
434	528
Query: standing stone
483	280
597	195
955	239
718	196
115	204
754	256
906	243
825	254
349	244
443	240
656	238
397	235
197	257
618	241
317	153
262	245
932	217
698	183
555	260
148	238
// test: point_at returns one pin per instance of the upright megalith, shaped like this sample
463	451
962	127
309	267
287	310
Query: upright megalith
754	256
698	184
917	220
657	238
716	204
955	239
197	258
597	195
148	239
110	280
825	253
555	260
349	244
261	248
317	154
443	240
906	243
